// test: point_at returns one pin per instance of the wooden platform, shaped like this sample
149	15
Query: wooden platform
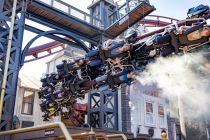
79	22
76	21
133	17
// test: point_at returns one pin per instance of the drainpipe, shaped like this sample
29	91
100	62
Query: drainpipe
102	13
181	118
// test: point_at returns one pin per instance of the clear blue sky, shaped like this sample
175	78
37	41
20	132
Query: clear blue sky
170	8
176	8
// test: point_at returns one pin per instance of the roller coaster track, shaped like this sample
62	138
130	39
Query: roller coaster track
157	21
149	21
48	47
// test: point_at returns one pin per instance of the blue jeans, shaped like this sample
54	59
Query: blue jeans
92	53
94	63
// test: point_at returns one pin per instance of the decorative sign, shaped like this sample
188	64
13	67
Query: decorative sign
49	132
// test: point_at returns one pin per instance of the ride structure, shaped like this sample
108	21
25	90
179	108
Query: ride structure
65	22
148	21
104	21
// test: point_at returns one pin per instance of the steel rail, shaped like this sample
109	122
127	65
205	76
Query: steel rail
40	127
157	22
117	135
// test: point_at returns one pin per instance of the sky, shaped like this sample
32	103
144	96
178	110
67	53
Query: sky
169	8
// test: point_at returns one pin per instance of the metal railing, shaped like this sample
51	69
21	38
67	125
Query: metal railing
124	9
99	135
64	130
117	135
72	11
86	135
40	127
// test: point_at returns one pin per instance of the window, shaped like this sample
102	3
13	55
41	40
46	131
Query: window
149	113
28	101
161	115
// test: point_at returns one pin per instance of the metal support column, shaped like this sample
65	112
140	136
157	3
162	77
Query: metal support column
127	6
103	110
182	118
91	13
125	109
102	12
15	53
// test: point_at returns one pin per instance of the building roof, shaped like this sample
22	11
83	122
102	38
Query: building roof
58	55
66	52
29	82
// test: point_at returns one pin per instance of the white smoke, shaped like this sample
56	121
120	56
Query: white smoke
186	76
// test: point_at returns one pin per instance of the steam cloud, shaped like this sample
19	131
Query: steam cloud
187	76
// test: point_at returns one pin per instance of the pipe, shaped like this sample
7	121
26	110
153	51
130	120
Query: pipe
40	127
181	118
7	57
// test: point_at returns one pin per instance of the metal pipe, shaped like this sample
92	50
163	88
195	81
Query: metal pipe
127	6
102	14
181	118
4	81
117	135
40	127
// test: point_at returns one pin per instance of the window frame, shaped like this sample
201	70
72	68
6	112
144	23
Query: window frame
23	102
153	113
161	116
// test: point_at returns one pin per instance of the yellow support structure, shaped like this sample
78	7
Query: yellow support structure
40	127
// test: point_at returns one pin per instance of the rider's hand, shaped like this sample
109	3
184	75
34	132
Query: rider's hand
184	49
179	31
117	60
